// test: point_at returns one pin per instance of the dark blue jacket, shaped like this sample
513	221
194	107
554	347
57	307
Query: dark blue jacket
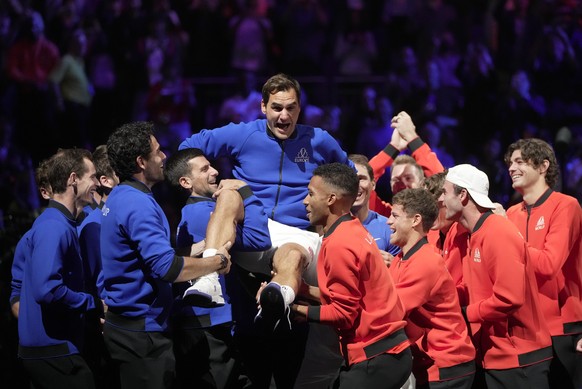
53	301
254	236
139	263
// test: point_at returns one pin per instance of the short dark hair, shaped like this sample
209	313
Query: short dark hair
418	201
339	176
434	184
64	162
128	142
176	165
101	162
534	151
41	176
280	83
102	166
361	159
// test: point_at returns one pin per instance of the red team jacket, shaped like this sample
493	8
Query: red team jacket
552	228
358	296
504	312
453	247
442	348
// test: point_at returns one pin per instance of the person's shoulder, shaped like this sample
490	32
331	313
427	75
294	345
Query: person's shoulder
564	199
515	208
378	218
201	204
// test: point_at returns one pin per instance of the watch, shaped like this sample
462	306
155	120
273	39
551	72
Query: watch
223	261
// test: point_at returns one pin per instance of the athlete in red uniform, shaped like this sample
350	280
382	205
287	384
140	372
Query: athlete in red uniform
442	350
551	223
356	291
507	325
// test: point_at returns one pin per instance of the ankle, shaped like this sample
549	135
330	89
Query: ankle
209	253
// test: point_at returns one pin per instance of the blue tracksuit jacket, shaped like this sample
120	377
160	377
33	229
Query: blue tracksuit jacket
53	300
139	263
277	171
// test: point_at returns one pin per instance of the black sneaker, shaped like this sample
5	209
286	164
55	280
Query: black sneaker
272	308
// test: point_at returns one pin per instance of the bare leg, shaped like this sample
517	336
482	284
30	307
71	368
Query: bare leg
275	297
288	264
206	290
229	211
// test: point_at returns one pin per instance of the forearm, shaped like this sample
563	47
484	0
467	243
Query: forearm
198	267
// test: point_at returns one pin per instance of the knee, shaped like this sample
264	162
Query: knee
290	255
229	203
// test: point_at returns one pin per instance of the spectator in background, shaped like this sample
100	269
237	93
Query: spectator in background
303	30
517	26
170	102
244	105
434	134
355	49
62	25
556	74
520	107
372	120
406	81
480	95
74	93
253	46
30	61
491	162
201	20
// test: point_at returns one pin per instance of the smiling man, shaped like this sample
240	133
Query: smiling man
443	355
551	223
139	263
503	308
357	295
375	223
275	156
53	297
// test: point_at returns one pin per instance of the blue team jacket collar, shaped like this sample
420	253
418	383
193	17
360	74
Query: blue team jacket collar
55	204
137	185
271	135
198	199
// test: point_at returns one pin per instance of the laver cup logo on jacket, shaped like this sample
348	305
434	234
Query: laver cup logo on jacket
477	256
302	155
540	224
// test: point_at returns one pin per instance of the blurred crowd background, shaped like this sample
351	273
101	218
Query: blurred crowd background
474	75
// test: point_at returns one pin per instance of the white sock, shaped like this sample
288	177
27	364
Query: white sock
209	253
288	294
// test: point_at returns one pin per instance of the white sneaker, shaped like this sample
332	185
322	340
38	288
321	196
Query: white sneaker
205	291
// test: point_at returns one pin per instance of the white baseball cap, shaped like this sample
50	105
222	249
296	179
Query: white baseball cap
474	180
